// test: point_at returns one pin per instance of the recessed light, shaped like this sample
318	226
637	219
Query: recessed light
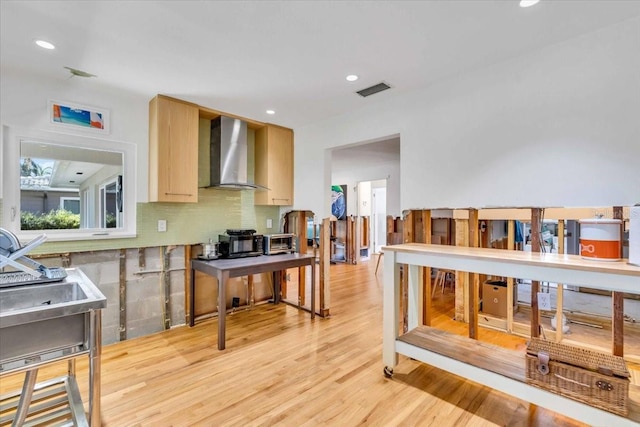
527	3
45	44
270	112
352	78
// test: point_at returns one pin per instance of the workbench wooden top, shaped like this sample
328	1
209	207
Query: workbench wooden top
231	263
569	262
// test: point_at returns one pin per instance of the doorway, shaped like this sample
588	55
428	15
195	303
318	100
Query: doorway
379	213
364	168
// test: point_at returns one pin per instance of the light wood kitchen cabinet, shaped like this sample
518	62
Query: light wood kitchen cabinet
274	165
173	150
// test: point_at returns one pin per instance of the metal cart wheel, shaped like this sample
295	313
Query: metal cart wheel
388	372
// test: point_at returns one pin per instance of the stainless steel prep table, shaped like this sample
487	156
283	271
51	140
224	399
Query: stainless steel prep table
223	269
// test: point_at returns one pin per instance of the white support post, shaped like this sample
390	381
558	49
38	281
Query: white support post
415	297
390	309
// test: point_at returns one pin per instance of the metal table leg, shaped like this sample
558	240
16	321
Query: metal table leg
25	398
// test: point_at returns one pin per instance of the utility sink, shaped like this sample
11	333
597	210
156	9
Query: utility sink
38	320
40	297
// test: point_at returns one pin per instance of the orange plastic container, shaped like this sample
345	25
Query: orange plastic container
600	239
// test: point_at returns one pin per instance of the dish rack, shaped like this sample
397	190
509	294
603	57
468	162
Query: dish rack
27	271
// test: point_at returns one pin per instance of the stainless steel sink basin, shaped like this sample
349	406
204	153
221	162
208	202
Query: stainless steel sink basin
37	320
30	303
40	296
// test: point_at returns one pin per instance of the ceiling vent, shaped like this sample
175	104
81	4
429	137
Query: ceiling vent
373	89
79	73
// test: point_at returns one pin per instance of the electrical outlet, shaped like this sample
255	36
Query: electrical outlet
269	223
544	301
162	225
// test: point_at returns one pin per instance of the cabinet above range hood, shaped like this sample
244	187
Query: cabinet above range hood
228	155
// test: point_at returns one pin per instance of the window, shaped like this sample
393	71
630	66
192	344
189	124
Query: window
109	215
70	204
70	186
87	212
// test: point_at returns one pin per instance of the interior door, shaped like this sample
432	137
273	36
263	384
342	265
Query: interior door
379	234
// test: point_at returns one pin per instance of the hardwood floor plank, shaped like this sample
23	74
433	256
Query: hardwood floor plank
282	368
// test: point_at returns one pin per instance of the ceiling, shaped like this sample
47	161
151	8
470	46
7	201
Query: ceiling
245	57
64	166
372	153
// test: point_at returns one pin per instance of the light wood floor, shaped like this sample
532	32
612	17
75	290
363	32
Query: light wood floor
281	368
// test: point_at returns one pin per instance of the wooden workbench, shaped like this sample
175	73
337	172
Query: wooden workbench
500	369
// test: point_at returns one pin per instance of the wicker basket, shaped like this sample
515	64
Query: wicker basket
598	379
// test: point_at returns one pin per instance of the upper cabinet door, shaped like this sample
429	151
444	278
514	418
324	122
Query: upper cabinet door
173	151
274	165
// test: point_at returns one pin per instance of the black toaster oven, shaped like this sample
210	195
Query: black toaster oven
279	243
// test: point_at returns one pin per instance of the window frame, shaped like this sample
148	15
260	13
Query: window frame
10	188
69	199
103	203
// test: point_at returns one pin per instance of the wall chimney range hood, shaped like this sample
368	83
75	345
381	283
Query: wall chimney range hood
228	155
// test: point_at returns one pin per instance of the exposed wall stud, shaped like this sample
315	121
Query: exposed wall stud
617	299
462	277
123	295
426	271
536	226
301	232
511	239
188	254
560	288
474	288
325	256
141	259
165	281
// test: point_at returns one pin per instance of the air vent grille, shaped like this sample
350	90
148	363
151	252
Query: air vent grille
373	89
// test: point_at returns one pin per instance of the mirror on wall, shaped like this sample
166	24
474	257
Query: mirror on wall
68	186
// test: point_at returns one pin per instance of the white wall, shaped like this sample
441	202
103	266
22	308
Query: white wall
556	127
23	103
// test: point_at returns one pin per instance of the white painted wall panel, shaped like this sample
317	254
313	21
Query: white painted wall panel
556	127
23	103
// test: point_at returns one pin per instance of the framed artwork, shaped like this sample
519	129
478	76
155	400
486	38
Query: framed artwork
72	115
339	201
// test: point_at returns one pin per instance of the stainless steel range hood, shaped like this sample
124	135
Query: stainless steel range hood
229	154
